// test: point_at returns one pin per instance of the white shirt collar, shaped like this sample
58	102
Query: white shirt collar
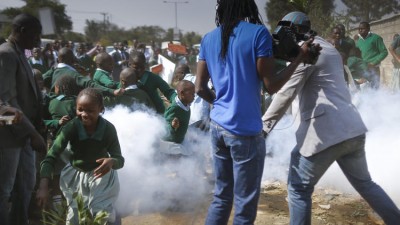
102	70
133	86
369	33
181	105
62	65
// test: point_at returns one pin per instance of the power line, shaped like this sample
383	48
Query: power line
85	12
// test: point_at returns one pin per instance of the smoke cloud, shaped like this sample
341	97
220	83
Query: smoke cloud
152	182
149	180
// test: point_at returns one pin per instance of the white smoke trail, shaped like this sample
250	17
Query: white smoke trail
147	185
380	111
156	187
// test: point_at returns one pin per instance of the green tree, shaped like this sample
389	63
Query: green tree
74	36
145	34
94	30
62	21
319	11
190	38
369	10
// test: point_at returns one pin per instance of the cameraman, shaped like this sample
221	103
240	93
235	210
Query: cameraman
331	129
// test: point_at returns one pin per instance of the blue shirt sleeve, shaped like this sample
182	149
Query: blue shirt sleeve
264	43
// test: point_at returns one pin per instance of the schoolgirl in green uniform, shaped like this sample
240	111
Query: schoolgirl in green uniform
96	154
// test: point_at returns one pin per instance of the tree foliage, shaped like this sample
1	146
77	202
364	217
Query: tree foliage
369	10
62	21
190	38
108	33
319	11
96	31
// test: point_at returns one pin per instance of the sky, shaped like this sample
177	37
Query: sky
195	15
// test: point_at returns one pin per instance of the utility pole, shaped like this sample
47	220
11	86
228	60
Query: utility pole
176	30
104	20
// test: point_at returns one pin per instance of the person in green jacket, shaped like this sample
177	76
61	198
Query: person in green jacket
103	76
373	51
66	61
150	82
62	105
177	114
177	117
96	155
133	97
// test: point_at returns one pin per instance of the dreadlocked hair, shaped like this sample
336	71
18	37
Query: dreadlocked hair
94	94
67	85
228	15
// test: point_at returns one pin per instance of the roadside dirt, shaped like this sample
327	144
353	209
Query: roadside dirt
329	208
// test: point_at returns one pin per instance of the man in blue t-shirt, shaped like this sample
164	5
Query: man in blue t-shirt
237	56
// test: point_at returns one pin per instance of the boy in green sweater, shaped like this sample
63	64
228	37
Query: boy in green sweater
177	117
177	114
102	76
373	51
132	94
150	82
67	60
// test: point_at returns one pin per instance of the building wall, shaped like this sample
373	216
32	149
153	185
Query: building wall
386	28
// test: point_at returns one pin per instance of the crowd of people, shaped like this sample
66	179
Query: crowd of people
56	96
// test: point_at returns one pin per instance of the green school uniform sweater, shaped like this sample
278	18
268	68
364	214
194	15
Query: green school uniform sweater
103	78
372	48
61	106
52	75
151	83
85	149
174	110
129	98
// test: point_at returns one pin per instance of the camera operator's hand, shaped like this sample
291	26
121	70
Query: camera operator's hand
310	51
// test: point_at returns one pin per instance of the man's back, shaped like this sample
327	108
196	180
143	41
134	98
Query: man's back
327	115
237	105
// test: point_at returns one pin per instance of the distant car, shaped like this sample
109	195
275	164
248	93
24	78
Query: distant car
45	41
109	49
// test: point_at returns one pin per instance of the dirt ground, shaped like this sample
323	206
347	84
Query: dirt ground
329	208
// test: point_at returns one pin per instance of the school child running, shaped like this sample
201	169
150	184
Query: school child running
133	97
96	154
151	83
177	116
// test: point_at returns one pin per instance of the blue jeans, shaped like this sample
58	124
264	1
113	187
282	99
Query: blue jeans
17	175
305	172
238	166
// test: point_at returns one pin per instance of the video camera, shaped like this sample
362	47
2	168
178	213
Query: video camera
286	39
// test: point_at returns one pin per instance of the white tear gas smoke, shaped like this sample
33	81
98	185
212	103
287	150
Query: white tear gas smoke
148	181
380	111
